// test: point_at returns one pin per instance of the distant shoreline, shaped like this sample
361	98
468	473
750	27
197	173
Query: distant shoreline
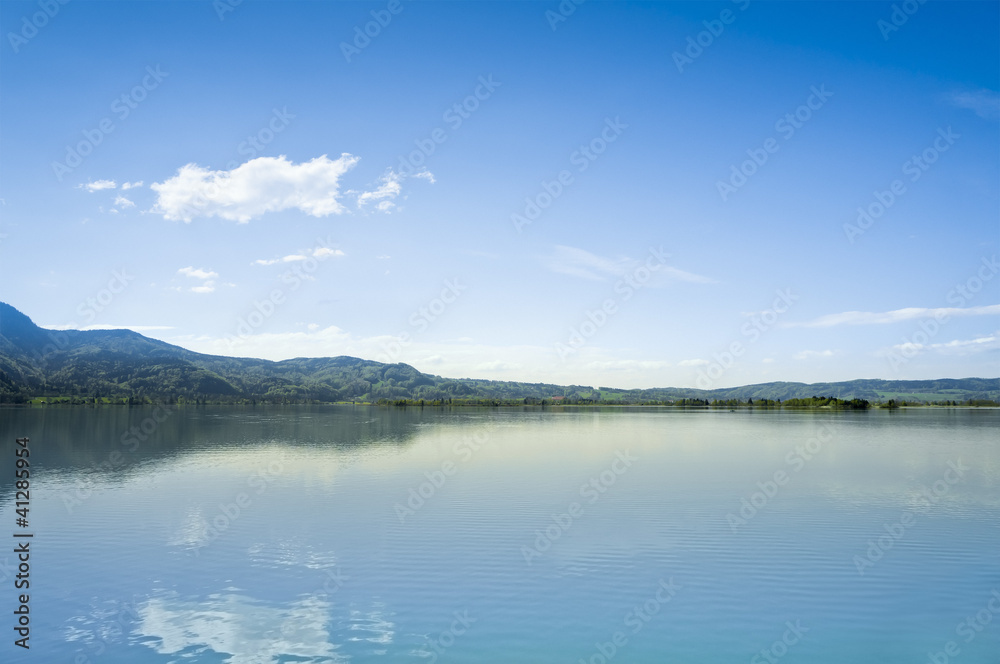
64	402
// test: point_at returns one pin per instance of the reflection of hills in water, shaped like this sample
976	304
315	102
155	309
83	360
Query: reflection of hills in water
114	439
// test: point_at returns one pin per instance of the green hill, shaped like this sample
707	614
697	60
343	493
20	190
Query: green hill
124	365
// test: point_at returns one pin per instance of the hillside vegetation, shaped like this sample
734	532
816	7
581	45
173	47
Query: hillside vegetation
122	366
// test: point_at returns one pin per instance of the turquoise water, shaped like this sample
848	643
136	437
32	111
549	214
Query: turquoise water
299	534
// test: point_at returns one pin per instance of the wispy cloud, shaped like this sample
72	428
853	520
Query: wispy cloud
265	184
123	202
390	186
131	185
97	185
207	278
810	354
681	275
895	316
955	347
580	263
625	365
134	328
198	273
319	252
984	103
452	357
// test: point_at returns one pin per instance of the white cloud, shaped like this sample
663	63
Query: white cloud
692	363
198	273
321	253
895	316
809	354
984	103
131	185
326	252
265	184
208	278
285	259
390	186
953	347
123	202
97	186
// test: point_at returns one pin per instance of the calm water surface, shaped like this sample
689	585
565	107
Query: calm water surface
335	534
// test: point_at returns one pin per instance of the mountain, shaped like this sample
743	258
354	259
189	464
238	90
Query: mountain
121	364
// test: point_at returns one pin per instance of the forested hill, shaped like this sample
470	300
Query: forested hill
121	364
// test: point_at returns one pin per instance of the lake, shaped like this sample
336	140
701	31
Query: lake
355	533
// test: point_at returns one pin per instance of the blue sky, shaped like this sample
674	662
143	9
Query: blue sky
484	190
